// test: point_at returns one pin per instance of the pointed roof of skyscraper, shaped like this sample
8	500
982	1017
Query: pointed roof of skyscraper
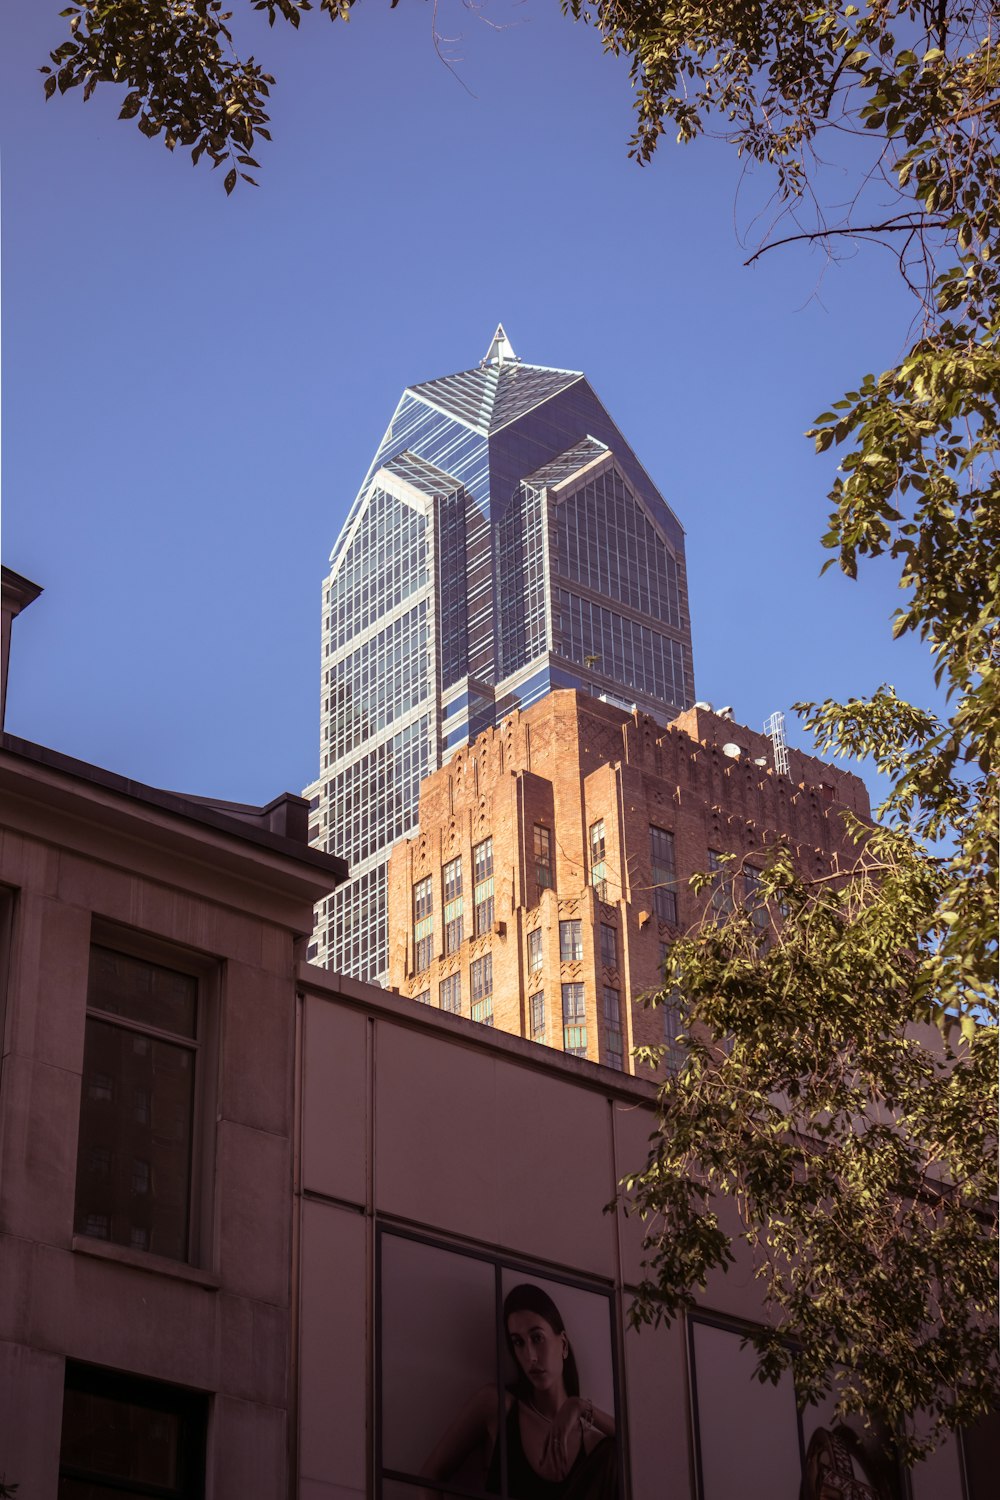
502	389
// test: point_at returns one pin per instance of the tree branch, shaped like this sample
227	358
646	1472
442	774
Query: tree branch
891	226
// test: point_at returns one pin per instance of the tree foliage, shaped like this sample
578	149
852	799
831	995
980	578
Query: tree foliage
841	1075
178	62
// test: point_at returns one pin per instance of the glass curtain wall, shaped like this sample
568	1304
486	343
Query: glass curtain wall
469	557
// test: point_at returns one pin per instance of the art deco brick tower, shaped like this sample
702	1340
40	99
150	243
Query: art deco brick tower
550	872
505	542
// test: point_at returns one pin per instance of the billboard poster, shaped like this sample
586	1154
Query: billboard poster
845	1459
752	1440
492	1379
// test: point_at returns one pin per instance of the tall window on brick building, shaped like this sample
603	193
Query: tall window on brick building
598	863
535	949
570	941
482	874
609	945
130	1437
574	1020
423	923
453	905
722	886
481	977
672	1010
753	898
450	993
661	848
135	1171
614	1047
536	1009
543	857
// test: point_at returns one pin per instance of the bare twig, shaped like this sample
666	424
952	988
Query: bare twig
891	226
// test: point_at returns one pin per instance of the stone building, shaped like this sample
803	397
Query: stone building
147	1049
258	1220
550	872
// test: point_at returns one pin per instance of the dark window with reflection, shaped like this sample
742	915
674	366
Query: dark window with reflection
123	1438
543	857
137	1105
661	847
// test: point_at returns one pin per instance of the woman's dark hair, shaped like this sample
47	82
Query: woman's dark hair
530	1298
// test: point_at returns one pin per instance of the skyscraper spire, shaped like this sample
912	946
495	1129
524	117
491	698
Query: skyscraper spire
500	349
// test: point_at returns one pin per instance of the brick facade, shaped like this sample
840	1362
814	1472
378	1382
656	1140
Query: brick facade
566	765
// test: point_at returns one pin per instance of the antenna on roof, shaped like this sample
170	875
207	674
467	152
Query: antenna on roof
774	728
500	349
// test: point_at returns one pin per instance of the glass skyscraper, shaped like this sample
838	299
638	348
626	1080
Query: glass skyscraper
505	541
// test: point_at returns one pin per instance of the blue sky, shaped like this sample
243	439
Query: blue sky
193	386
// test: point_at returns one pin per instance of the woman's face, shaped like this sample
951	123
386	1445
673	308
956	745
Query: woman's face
538	1349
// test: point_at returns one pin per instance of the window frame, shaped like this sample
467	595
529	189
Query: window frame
544	878
481	989
423	923
574	1022
571	951
613	1028
483	899
449	982
664	874
189	1406
597	843
454	905
209	973
720	868
752	899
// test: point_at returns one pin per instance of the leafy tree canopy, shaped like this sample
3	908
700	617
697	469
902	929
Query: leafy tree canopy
840	1082
841	1073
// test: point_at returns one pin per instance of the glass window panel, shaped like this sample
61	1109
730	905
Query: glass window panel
570	941
450	993
664	874
149	1118
142	991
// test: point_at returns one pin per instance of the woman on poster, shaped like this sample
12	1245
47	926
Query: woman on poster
559	1445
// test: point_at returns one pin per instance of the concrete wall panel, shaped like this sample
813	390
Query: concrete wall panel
247	1453
258	1023
335	1320
554	1170
335	1103
106	1313
48	983
254	1184
253	1350
31	1393
659	1427
40	1113
436	1127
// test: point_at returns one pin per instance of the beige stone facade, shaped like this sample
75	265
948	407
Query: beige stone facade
629	810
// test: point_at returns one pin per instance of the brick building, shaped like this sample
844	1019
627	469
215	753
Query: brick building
551	869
